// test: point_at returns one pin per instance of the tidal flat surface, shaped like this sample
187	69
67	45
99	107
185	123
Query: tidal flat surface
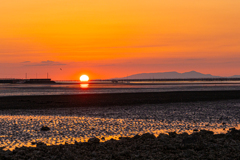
72	89
67	125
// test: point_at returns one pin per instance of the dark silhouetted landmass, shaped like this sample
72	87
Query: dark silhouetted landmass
235	76
199	145
171	75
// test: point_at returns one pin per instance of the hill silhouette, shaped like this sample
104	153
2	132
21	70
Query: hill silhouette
170	75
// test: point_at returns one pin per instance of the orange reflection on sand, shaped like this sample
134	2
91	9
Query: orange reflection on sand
25	130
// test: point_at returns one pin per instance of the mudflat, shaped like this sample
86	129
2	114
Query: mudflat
189	120
101	100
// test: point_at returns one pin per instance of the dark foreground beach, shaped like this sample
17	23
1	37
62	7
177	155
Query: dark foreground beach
119	99
199	145
122	113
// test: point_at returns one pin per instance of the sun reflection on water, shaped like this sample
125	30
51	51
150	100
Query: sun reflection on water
84	85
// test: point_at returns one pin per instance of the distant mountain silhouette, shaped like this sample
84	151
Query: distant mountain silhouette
170	75
235	76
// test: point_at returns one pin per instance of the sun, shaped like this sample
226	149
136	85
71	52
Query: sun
84	78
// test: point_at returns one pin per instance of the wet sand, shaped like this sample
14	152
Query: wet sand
120	99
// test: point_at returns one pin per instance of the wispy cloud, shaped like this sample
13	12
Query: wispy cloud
45	63
142	46
195	59
26	62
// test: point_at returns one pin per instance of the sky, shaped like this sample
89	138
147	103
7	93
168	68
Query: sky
106	39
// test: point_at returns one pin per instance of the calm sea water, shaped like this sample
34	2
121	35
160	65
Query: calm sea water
93	88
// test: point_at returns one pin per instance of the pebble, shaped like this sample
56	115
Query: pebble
45	128
94	140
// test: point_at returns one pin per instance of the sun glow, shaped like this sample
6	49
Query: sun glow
84	78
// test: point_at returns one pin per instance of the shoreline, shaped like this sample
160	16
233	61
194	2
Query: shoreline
113	99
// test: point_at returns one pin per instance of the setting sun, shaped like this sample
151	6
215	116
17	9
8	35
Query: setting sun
84	78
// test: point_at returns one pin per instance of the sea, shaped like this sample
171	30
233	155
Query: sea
22	127
74	87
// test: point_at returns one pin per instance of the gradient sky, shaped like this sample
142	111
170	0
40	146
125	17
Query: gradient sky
107	39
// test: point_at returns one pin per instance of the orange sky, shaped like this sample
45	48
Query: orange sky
107	39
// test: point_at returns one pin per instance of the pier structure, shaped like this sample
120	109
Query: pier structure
26	81
163	80
183	80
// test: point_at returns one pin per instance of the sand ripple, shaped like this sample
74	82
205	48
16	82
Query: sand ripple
22	127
